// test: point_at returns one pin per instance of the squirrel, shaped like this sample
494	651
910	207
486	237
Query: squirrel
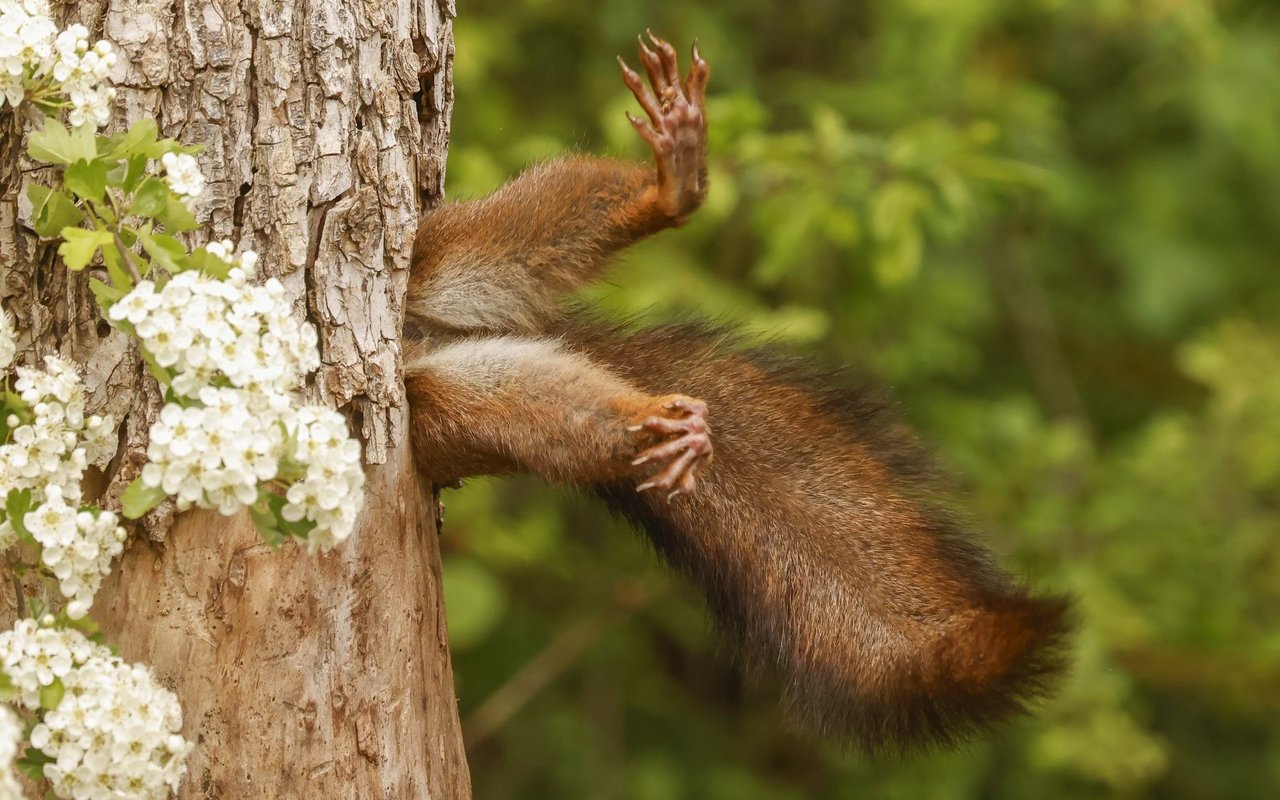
806	517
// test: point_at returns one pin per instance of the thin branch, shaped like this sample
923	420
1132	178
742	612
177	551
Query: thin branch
1037	335
128	258
499	707
20	599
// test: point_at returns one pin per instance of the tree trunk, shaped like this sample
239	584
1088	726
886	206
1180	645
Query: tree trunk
324	125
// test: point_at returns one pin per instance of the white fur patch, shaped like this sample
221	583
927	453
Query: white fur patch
488	363
458	299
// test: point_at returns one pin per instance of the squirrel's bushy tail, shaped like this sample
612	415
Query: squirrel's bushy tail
822	556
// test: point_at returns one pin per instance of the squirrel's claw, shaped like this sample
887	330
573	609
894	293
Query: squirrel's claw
695	86
689	448
643	94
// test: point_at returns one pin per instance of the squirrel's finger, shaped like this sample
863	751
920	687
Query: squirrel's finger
665	425
696	408
653	66
643	94
686	486
695	86
668	477
667	56
643	128
661	451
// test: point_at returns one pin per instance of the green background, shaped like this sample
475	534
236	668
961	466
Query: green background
1053	229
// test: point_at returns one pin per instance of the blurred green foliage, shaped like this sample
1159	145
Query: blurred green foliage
1054	229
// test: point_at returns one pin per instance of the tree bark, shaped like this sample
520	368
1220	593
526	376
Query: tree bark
324	125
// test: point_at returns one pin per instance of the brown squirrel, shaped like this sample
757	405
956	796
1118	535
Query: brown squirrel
811	531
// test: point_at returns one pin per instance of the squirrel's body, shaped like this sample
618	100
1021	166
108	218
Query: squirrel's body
811	532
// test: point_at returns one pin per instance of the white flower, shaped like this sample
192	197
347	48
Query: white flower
10	739
26	45
136	305
236	353
332	492
214	456
115	732
183	174
35	55
8	347
82	71
48	451
33	656
203	328
77	547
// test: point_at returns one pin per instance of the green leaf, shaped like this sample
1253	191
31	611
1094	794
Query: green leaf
476	599
54	144
300	529
209	264
139	498
8	692
79	246
14	404
177	216
151	198
133	142
126	174
163	249
16	504
265	518
85	625
275	503
52	694
158	149
106	295
87	179
163	376
32	764
52	211
115	269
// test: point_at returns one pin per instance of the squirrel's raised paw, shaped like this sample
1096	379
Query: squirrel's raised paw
677	124
684	420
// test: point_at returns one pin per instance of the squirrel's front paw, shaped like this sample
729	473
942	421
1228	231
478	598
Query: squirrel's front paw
685	421
677	124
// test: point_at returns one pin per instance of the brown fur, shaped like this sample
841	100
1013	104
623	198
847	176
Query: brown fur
813	533
823	554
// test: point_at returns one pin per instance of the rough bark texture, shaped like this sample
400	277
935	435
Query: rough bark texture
324	125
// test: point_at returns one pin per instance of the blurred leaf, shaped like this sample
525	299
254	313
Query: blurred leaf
475	600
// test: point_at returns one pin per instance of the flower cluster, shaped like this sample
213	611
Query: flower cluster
53	448
330	491
82	70
35	655
183	174
26	39
10	738
33	53
214	456
8	345
236	352
77	546
113	733
207	329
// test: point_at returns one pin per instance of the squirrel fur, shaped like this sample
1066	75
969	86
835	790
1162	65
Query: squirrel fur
805	516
